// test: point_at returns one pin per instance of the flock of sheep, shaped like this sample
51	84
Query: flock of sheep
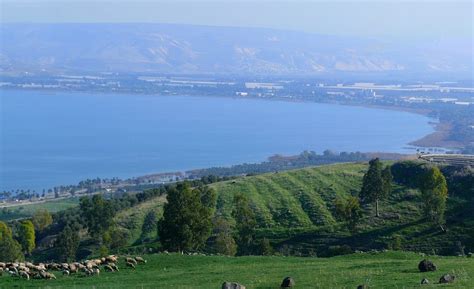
29	270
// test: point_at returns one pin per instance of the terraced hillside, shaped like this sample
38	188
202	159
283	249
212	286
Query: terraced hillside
295	210
297	198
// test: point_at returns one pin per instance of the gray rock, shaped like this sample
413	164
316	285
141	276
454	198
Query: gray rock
446	278
232	285
426	266
425	281
287	282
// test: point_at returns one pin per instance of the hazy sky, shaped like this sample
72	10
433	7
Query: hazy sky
425	19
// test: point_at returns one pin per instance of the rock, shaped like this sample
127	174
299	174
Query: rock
446	278
364	286
426	266
288	282
232	285
470	255
425	281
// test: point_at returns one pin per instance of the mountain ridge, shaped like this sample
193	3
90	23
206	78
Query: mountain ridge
180	48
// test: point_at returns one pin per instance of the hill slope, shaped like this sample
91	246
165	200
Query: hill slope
295	210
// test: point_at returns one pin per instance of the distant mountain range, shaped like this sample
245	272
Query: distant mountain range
191	49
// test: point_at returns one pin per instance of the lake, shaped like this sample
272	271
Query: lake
56	138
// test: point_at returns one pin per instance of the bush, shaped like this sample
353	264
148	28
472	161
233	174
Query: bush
339	250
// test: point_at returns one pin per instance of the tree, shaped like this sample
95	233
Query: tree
97	215
67	244
150	223
434	191
245	223
26	236
225	243
42	219
10	249
187	216
118	238
265	247
387	179
373	187
348	210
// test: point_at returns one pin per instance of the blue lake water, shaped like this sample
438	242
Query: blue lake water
55	138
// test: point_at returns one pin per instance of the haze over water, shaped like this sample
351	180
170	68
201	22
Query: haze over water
60	138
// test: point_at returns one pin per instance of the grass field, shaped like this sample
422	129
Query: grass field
378	270
27	210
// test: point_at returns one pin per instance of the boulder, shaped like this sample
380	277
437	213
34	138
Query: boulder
426	266
446	278
425	281
287	282
232	285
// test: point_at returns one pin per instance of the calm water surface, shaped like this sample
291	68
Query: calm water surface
54	138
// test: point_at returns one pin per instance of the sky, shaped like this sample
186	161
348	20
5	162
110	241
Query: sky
422	19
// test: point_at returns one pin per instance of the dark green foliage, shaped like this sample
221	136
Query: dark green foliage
97	214
118	238
408	173
387	179
26	236
150	223
187	218
265	248
246	223
224	242
67	244
460	181
339	250
10	249
279	163
435	193
348	210
375	184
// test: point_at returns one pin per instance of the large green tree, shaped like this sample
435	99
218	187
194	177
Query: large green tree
149	223
374	186
10	249
187	218
26	236
246	223
97	214
434	191
224	243
42	219
67	244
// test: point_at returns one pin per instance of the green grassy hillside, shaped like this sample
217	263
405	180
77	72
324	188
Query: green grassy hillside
297	198
381	270
27	210
295	210
132	219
